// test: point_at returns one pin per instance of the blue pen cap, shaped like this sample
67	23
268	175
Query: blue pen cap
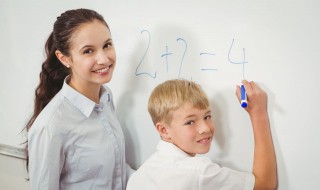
244	102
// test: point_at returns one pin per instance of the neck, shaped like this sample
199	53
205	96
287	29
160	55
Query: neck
90	91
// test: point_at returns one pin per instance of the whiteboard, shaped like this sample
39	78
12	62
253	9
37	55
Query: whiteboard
215	43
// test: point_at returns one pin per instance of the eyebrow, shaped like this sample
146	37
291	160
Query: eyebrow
209	111
90	46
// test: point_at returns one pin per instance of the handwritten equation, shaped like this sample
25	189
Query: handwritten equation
184	47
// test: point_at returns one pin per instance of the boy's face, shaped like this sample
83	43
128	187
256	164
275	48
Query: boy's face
191	129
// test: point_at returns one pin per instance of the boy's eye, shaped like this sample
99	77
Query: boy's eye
189	122
207	117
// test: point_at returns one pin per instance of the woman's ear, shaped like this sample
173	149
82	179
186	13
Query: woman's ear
163	131
62	58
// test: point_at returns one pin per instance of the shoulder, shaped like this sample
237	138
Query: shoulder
164	172
160	160
211	174
203	163
53	118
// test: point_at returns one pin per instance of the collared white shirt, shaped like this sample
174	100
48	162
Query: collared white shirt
169	168
76	144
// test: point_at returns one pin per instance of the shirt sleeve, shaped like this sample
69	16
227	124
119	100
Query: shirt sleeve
46	158
214	176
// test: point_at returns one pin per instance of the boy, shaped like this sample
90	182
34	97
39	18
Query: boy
181	114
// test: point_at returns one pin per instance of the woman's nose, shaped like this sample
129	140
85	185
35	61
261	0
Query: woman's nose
102	58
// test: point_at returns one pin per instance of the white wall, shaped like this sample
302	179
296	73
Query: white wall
13	173
281	44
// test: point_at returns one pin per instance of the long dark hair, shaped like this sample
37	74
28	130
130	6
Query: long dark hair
53	71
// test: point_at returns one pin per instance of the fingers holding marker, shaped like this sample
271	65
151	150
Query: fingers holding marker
247	86
246	92
256	97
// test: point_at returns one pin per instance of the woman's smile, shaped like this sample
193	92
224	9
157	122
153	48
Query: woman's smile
103	71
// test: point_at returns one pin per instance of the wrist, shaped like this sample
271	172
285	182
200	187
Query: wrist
259	117
258	113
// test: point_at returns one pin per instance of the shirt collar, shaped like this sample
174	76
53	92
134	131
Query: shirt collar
84	104
171	149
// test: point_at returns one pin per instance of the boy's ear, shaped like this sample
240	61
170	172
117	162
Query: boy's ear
62	58
163	131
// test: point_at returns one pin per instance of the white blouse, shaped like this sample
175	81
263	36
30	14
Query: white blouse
170	168
76	144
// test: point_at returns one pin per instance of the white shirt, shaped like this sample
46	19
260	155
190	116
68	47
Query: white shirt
76	144
169	168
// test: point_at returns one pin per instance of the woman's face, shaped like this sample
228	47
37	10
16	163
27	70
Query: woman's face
93	57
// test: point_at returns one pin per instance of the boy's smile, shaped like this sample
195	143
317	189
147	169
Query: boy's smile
205	140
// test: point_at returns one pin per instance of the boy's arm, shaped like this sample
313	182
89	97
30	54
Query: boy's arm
264	164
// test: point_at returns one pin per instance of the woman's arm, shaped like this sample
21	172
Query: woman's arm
45	159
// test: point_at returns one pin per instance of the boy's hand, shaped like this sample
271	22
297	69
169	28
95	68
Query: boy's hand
256	97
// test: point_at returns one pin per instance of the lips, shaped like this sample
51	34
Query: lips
103	70
206	140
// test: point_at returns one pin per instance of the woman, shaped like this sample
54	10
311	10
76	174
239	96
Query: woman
74	138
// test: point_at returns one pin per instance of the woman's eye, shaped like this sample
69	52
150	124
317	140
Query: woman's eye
88	51
109	44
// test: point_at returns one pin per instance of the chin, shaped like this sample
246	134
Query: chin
204	151
105	80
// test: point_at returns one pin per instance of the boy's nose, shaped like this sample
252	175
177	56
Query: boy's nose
204	128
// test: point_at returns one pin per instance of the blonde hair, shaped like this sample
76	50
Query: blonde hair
173	94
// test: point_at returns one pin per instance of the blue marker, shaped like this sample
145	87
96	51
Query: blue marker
244	102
